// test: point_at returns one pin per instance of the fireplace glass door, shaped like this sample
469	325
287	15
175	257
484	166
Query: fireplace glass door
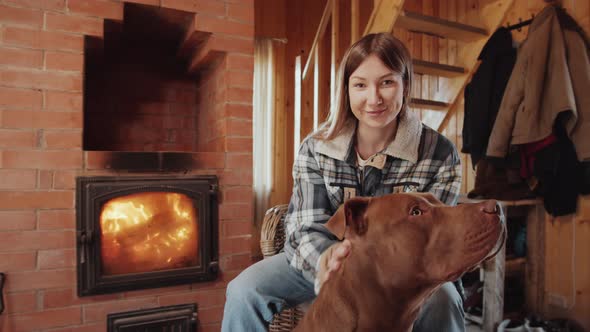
145	232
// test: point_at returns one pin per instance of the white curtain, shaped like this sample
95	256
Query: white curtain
262	125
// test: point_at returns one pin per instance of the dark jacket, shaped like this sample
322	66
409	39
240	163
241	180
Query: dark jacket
559	175
483	94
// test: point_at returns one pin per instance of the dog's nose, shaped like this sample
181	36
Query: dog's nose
490	206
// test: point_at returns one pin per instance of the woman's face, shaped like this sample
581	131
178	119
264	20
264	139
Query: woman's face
375	93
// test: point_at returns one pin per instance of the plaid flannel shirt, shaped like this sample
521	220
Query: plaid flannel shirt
419	159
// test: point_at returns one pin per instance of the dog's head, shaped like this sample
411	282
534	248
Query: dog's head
413	236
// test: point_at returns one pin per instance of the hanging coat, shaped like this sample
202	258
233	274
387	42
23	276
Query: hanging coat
484	92
551	76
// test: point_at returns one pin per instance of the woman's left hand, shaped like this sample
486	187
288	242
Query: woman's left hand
331	261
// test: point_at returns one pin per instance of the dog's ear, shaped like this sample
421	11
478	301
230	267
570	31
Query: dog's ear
355	209
337	223
350	214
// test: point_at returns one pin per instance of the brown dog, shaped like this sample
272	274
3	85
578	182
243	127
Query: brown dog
404	246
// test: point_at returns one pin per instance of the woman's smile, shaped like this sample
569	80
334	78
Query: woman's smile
376	113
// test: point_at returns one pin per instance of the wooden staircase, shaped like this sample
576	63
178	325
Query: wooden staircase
386	16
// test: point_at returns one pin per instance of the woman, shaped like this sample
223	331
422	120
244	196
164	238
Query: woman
371	145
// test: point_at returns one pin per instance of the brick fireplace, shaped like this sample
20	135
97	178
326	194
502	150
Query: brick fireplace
182	110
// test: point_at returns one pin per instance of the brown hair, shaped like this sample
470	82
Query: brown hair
388	49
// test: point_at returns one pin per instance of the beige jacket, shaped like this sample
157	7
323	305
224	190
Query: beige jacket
551	75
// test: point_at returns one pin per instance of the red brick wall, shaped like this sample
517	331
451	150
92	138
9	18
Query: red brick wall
224	104
41	128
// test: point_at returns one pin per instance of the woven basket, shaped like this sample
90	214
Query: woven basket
272	239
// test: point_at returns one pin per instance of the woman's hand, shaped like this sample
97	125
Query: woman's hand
331	262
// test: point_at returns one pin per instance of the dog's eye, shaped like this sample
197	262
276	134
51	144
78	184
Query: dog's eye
415	211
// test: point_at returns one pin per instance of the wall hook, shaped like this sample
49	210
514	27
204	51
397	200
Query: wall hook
518	26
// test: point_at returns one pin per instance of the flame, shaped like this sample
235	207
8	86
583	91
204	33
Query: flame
120	215
148	231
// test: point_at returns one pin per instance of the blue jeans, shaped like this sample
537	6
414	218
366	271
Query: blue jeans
270	285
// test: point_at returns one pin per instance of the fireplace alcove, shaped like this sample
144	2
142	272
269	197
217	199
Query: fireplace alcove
153	93
152	83
145	232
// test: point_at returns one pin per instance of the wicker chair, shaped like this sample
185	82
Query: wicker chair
272	238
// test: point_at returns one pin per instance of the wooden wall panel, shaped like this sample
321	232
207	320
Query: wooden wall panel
345	30
269	18
324	73
430	53
567	267
414	42
365	10
280	147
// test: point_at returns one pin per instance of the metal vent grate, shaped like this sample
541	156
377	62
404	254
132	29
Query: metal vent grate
177	318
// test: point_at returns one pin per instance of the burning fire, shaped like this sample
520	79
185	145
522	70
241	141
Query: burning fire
148	231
